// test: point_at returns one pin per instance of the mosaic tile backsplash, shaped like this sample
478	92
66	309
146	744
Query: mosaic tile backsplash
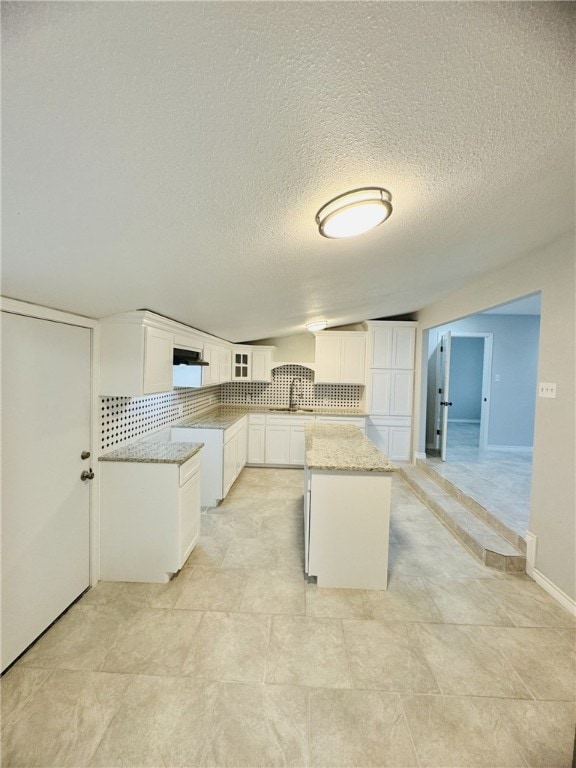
123	419
277	393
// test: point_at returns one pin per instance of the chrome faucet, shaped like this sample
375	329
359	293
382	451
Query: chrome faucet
293	395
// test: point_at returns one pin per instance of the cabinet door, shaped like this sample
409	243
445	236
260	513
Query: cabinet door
297	449
241	364
256	433
401	393
225	365
189	516
381	347
241	438
328	358
261	364
230	459
157	361
380	387
380	437
399	441
277	444
353	360
403	347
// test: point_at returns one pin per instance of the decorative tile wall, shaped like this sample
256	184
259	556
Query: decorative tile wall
125	418
277	393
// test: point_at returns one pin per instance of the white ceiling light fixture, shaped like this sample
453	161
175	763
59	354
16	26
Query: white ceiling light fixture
355	212
319	325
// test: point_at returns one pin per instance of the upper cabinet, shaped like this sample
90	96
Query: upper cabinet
242	363
262	363
251	363
136	356
392	346
340	357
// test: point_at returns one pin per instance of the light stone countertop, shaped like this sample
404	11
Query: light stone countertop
224	416
153	452
343	447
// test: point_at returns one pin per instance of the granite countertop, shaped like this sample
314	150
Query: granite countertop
343	447
153	452
224	416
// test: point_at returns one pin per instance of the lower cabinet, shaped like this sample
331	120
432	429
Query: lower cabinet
285	440
223	457
256	438
393	436
149	518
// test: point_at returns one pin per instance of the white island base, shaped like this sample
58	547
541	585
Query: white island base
347	518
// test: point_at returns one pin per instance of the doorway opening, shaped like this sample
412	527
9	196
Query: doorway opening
481	400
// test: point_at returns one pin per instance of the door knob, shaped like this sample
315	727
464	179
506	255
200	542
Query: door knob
87	474
85	455
443	402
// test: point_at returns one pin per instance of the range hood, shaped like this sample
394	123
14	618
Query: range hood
188	357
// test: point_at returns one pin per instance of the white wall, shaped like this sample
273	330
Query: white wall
553	506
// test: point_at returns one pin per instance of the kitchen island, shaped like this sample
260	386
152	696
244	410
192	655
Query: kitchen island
347	488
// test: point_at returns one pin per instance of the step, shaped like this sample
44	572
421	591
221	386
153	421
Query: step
474	506
483	541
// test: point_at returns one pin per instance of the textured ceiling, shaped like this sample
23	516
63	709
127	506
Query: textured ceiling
172	155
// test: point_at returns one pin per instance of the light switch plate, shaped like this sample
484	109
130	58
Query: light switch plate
546	389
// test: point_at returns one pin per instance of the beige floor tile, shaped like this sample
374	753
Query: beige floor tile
274	591
252	553
338	603
212	589
258	726
387	657
543	730
210	550
17	686
231	525
133	595
229	647
307	651
64	720
465	663
406	599
156	642
457	732
542	659
162	722
79	640
349	729
465	601
569	636
528	605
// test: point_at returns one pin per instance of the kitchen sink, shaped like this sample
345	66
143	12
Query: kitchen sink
291	410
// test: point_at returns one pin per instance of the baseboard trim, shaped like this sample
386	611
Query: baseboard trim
527	448
552	589
419	455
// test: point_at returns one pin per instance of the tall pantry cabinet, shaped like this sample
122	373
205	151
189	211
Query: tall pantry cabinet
390	386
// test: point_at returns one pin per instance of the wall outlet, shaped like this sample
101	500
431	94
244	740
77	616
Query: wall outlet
497	377
546	389
180	410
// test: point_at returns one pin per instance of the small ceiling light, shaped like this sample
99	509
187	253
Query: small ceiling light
319	325
355	212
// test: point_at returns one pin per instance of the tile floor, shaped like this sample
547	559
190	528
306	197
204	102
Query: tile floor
499	480
238	662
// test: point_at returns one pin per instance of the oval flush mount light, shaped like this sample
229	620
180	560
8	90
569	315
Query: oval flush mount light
319	325
355	212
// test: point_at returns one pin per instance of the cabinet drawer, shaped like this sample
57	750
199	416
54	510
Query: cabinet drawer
189	468
257	418
289	420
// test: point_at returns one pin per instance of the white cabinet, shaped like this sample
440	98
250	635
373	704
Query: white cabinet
223	457
256	438
218	370
393	436
135	356
390	389
241	364
262	363
285	439
149	518
340	358
391	346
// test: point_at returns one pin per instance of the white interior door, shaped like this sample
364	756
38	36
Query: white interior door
46	383
444	390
